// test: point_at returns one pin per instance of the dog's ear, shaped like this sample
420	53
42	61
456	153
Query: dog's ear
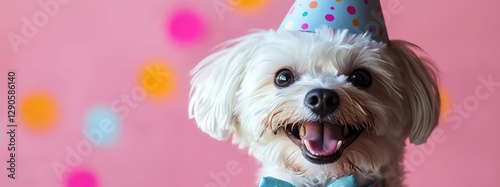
420	90
215	83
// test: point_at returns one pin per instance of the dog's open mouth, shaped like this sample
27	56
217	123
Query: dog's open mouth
320	142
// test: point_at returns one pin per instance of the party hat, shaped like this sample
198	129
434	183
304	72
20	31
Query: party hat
357	16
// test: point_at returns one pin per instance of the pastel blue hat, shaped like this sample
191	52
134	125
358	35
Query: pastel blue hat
357	16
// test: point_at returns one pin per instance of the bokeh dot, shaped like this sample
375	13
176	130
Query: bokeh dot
445	102
38	111
305	26
351	10
313	4
355	22
81	178
329	17
251	6
102	125
186	26
159	79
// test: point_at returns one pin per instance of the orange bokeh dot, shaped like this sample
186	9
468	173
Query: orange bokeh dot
158	79
445	102
313	4
355	22
38	111
250	6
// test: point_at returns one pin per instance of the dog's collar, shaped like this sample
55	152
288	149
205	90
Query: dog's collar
347	181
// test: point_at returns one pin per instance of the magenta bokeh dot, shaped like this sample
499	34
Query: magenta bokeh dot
186	26
329	17
351	10
305	26
81	178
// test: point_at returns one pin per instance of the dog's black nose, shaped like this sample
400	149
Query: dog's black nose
322	101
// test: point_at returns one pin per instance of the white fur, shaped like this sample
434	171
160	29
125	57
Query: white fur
233	93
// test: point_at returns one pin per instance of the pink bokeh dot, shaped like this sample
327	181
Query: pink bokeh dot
366	1
305	26
329	17
81	178
351	10
186	26
332	8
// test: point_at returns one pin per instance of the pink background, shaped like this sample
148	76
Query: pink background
91	52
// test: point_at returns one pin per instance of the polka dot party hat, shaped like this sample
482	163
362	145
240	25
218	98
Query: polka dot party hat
358	16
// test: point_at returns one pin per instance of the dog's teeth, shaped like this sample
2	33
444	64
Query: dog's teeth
307	144
339	144
345	131
302	131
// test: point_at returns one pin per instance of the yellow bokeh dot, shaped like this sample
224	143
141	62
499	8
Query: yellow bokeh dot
250	6
289	25
38	111
158	79
445	103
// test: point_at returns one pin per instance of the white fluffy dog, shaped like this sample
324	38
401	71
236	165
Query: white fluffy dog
313	107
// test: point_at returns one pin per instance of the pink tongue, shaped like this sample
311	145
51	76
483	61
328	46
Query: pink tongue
321	138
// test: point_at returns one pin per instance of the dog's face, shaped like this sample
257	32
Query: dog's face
321	104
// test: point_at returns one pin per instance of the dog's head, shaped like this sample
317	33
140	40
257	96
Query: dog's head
324	104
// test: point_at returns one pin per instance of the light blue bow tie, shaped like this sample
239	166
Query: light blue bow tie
347	181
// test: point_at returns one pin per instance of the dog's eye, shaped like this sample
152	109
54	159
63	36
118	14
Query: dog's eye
360	78
283	78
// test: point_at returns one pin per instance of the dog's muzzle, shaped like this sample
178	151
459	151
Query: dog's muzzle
322	142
